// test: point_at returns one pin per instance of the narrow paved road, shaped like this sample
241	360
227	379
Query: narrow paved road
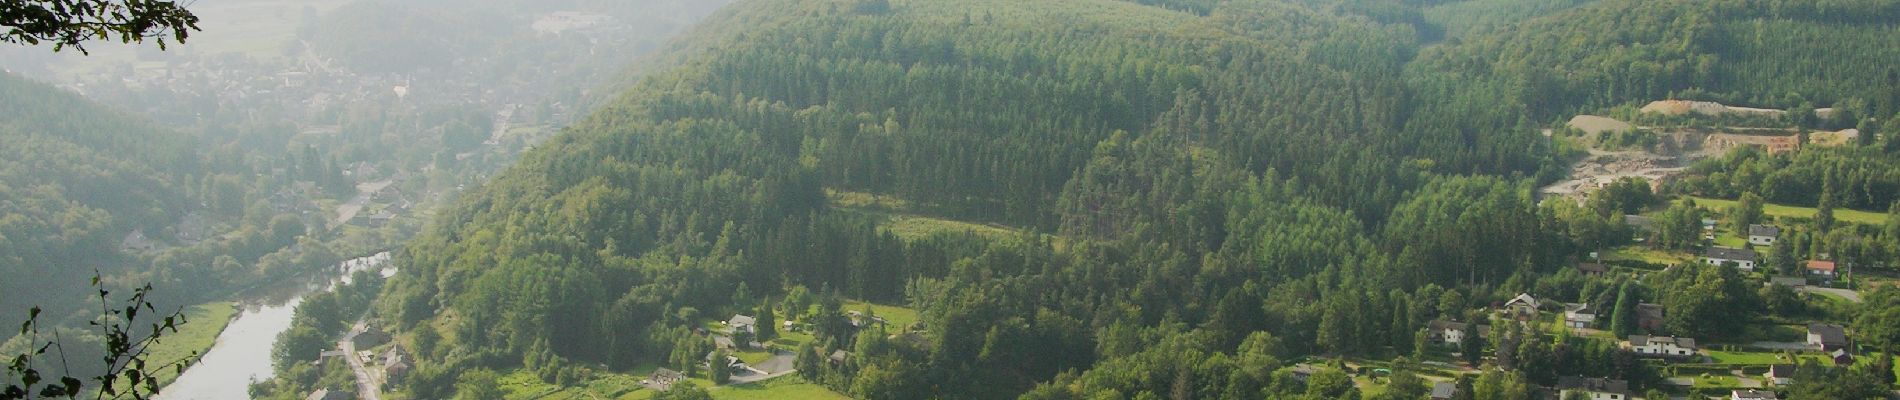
364	192
366	386
1844	293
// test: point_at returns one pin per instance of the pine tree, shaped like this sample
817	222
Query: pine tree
1623	318
768	325
1781	257
717	369
1824	217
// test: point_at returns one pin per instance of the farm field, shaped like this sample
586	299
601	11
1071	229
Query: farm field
1781	211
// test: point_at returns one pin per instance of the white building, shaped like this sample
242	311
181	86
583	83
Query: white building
1661	346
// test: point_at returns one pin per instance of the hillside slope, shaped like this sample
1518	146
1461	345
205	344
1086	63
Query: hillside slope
1777	54
1223	180
75	177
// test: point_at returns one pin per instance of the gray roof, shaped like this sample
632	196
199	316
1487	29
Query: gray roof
1522	298
1753	394
1724	253
664	373
1439	325
738	320
1640	340
1579	308
1788	281
1782	370
1649	310
1764	230
1830	334
1592	268
1599	385
1444	390
1638	221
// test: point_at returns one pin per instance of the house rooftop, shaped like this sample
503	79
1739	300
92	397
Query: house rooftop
1830	334
1725	253
1522	298
1764	230
741	320
1782	370
1592	268
1643	340
1579	308
1638	221
1818	265
1599	385
1439	325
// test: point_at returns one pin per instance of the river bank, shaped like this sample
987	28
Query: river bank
242	351
204	323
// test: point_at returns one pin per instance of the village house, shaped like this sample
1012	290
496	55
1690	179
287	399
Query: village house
838	357
1740	258
1763	235
1780	375
1824	269
1579	316
1523	307
663	379
1445	332
1640	224
1649	316
381	219
369	338
1592	269
1444	391
327	394
731	362
1752	394
724	342
1827	337
742	323
1593	388
136	242
1841	358
1660	346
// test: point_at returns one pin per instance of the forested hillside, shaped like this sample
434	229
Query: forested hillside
1198	194
75	178
1777	54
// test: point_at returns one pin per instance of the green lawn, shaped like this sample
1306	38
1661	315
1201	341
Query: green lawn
198	334
1759	358
900	317
1717	381
790	387
900	218
1774	210
1648	255
523	385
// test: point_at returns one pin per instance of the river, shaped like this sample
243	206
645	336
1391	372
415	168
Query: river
242	353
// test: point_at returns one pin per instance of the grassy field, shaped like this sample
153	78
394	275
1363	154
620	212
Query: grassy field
1648	255
900	317
898	217
1760	358
206	321
787	388
1774	210
523	385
